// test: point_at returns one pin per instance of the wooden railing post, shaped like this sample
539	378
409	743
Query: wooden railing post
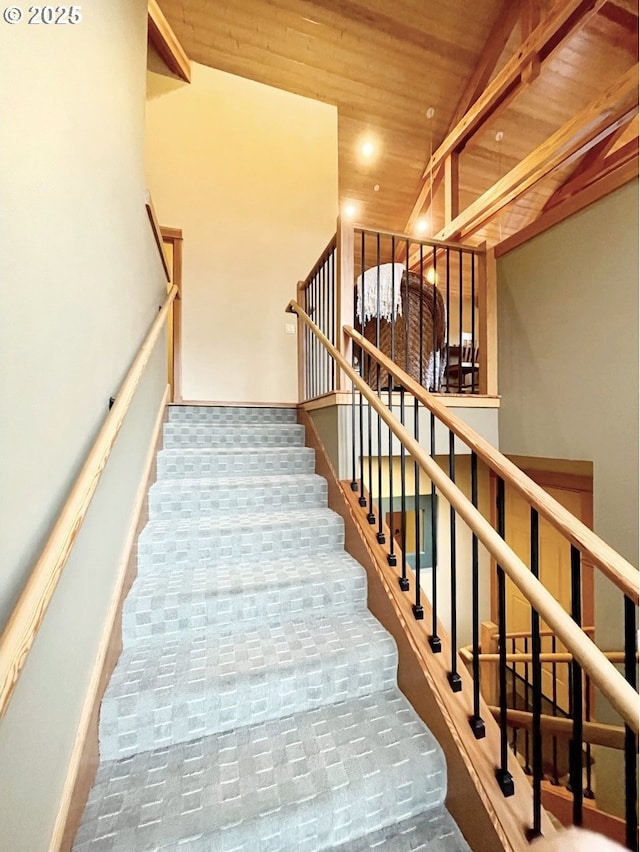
489	670
302	345
488	321
345	307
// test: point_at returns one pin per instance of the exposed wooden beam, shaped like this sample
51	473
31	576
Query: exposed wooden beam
166	43
451	188
498	37
506	20
511	80
599	170
547	36
589	195
586	129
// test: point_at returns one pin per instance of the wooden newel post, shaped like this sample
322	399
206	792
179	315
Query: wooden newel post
345	289
488	322
302	345
489	670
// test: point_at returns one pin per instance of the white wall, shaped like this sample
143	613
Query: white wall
250	175
81	282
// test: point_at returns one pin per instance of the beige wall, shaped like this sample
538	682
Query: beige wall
250	175
81	282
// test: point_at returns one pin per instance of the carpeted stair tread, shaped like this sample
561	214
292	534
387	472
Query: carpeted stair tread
435	831
188	687
174	598
229	414
240	536
191	498
189	462
190	435
307	782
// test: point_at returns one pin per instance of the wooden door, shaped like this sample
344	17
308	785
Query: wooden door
575	494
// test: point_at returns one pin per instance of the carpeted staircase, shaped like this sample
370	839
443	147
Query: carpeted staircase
254	707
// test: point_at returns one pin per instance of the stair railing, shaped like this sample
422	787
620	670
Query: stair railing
586	658
428	304
24	622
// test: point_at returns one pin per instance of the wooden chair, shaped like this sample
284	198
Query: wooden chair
462	368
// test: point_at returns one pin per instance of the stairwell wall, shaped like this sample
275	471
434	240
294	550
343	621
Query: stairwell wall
568	375
81	283
250	175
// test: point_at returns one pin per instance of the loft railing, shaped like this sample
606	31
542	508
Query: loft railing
378	434
26	617
427	305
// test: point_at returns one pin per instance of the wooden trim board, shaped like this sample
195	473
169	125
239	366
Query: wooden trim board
84	756
164	40
228	404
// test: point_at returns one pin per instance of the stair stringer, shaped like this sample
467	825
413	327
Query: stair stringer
489	822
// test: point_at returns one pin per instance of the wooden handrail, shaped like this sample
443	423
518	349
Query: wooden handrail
594	733
603	674
421	241
326	253
157	235
26	618
614	566
523	634
545	656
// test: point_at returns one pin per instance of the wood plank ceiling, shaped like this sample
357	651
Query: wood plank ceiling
387	65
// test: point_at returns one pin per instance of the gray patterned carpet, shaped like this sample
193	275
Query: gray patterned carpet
254	707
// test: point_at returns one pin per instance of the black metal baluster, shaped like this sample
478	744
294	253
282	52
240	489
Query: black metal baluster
630	745
362	500
476	721
460	305
333	317
323	328
527	755
434	640
448	284
575	744
307	348
406	309
380	536
314	339
371	518
421	322
418	610
403	580
391	556
434	323
503	776
536	678
588	791
455	681
354	480
474	372
555	780
514	699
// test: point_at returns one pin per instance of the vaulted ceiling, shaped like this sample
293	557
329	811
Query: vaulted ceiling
481	114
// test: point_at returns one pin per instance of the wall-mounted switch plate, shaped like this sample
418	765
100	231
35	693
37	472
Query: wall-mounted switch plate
289	328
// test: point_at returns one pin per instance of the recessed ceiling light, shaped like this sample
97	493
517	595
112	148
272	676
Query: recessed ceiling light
432	276
367	149
421	226
349	210
376	188
430	112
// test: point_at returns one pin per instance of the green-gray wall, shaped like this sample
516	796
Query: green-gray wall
81	283
568	376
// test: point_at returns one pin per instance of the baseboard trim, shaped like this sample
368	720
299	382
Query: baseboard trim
83	761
